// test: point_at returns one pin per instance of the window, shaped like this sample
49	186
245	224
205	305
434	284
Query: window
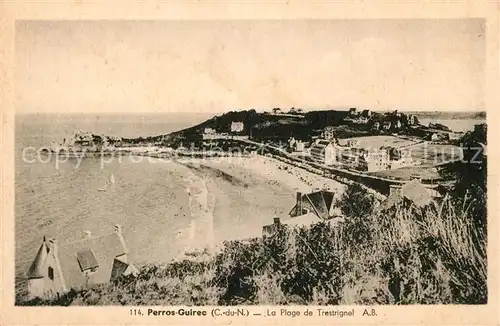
51	273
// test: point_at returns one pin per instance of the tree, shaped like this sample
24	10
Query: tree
96	139
469	176
356	201
357	205
415	120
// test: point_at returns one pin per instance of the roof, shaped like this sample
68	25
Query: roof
119	267
35	270
86	259
323	143
319	202
101	250
319	147
303	220
416	193
412	191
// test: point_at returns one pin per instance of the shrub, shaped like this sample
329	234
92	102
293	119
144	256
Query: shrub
437	257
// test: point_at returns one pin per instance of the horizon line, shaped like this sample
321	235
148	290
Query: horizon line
244	109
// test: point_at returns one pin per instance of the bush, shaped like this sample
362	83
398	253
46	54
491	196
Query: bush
357	205
438	257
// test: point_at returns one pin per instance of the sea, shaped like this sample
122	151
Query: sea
62	199
458	125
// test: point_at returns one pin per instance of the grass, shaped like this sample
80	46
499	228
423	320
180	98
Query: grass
431	154
378	141
405	173
427	153
404	256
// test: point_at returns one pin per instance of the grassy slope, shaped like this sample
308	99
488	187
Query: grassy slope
436	257
268	126
262	125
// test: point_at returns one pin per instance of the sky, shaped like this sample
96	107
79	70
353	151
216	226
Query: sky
216	66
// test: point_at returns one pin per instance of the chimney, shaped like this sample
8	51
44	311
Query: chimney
394	189
118	231
88	234
299	203
54	246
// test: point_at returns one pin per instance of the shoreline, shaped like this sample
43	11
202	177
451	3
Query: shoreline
249	192
221	191
232	198
200	231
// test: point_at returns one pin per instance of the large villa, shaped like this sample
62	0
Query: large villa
352	156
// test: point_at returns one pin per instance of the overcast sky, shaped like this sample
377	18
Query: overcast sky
214	66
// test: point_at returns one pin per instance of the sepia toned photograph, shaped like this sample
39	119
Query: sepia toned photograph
250	162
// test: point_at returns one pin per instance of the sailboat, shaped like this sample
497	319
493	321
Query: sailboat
110	183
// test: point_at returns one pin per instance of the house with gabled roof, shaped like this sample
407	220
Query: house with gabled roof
412	194
324	151
320	203
315	207
56	269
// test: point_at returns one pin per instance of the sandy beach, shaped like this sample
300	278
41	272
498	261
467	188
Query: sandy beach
199	234
237	196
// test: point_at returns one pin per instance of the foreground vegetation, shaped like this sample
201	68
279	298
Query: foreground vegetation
433	257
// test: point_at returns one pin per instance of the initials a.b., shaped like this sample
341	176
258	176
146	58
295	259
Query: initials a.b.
371	312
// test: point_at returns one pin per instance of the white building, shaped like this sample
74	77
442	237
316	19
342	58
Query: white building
300	146
437	136
296	145
375	160
324	151
405	159
456	135
237	126
412	120
209	131
352	143
329	133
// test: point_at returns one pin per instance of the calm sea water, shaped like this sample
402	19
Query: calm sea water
455	124
148	198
